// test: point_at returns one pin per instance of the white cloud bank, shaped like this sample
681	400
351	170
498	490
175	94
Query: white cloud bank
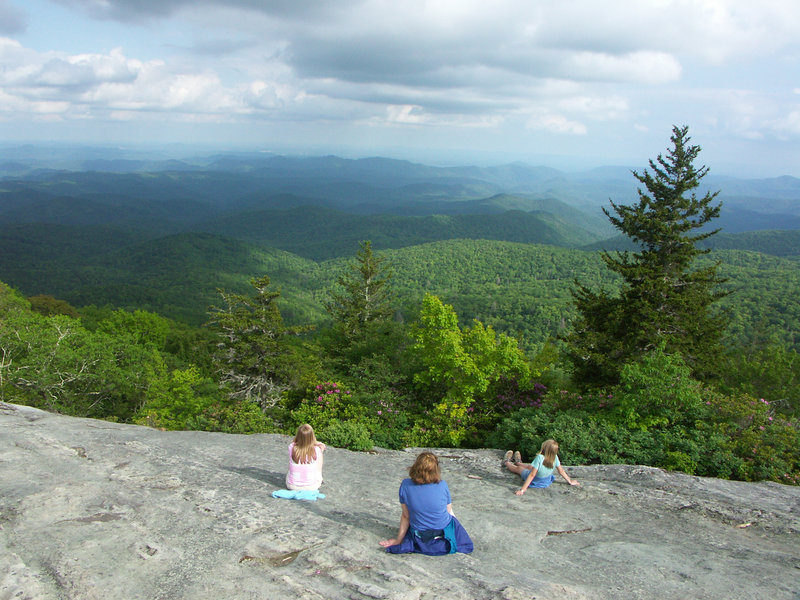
570	68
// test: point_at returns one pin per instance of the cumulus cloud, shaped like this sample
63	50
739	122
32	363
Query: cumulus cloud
70	85
556	124
569	68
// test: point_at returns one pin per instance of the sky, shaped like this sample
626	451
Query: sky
570	84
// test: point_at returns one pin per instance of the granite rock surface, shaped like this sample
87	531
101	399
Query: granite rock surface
97	510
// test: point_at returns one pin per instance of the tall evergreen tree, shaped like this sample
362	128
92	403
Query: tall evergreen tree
663	300
364	296
253	357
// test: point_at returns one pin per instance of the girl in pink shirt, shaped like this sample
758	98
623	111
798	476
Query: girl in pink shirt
305	460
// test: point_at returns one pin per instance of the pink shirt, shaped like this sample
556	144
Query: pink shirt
308	475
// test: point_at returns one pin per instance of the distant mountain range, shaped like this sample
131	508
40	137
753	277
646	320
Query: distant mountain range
201	188
101	225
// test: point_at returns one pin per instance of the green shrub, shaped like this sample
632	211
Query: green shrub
585	439
582	439
325	403
679	461
241	416
657	391
389	418
348	434
766	444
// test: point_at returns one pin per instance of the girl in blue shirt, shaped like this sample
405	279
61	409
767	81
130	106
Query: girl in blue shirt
540	472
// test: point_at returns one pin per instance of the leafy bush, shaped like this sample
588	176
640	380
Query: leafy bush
175	401
657	390
348	434
389	418
384	413
56	364
766	442
679	461
582	439
239	416
459	365
325	403
188	401
586	439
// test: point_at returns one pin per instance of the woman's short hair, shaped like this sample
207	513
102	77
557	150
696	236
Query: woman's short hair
425	469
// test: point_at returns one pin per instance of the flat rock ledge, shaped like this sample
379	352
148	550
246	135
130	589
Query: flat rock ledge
97	510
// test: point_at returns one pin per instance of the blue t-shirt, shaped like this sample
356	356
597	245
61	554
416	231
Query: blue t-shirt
542	470
427	504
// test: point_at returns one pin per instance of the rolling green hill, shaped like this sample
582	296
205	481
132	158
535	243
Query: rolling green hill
523	289
319	233
493	241
772	242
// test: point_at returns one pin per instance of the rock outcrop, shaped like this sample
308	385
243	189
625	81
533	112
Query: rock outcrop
98	510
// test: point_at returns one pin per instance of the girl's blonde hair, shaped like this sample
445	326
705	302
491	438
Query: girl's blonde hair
425	469
304	450
549	451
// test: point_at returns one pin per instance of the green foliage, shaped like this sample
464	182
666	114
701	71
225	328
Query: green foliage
459	366
364	297
386	416
664	299
46	305
734	436
585	439
234	416
144	328
349	434
56	364
765	368
325	403
178	401
254	358
657	391
767	443
391	418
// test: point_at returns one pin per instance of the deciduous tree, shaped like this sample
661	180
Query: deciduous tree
460	365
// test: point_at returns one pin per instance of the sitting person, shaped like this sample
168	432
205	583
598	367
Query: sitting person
427	523
305	460
540	472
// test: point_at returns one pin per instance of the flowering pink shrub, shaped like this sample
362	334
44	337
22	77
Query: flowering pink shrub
324	403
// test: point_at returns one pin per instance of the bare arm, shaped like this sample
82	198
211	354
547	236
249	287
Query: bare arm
401	532
321	447
563	473
528	480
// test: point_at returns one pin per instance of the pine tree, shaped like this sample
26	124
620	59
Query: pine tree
662	298
365	296
253	357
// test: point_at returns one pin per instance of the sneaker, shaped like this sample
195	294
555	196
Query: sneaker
517	457
506	458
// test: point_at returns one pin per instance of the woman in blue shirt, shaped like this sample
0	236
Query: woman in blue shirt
427	524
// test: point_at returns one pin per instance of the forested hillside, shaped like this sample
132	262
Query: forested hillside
772	242
394	304
521	289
